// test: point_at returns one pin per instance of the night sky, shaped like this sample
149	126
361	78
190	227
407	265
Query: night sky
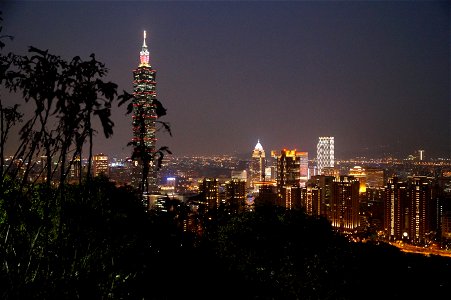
373	74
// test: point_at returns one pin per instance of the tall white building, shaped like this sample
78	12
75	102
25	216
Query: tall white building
257	165
325	153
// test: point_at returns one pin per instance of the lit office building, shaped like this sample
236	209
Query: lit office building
359	173
100	165
239	174
270	173
325	153
144	117
375	178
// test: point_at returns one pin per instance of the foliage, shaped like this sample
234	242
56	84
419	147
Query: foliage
59	239
95	250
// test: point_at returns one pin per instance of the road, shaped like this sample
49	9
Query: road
432	250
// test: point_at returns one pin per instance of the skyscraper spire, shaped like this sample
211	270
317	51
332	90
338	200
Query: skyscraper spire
144	54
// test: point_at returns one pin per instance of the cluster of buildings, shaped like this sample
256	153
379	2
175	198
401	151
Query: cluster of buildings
412	207
410	201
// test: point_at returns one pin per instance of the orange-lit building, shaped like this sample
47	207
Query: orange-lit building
100	165
359	173
288	166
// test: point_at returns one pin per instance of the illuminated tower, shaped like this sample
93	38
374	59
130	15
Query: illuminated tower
257	165
288	177
325	153
144	117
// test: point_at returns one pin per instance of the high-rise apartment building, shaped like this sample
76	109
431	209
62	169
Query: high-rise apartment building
395	214
144	117
257	165
209	191
344	204
410	210
422	214
325	153
235	195
317	195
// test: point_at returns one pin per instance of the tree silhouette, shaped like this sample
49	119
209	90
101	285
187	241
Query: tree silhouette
148	157
36	211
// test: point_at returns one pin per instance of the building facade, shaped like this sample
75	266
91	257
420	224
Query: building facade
100	165
288	166
235	195
144	130
344	204
359	173
257	165
304	168
317	195
209	191
325	156
410	210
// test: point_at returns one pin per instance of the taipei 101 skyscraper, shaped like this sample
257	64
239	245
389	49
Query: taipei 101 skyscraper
144	174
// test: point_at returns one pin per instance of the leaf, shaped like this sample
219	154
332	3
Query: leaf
36	50
159	109
125	97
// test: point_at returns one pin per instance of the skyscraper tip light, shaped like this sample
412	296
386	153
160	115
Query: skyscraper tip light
144	55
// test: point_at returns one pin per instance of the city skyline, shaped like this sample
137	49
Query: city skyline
375	75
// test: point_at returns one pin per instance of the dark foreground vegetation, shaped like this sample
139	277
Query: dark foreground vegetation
109	247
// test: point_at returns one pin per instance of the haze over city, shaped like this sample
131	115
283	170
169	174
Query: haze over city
375	75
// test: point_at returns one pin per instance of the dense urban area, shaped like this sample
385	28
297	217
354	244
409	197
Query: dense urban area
277	224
